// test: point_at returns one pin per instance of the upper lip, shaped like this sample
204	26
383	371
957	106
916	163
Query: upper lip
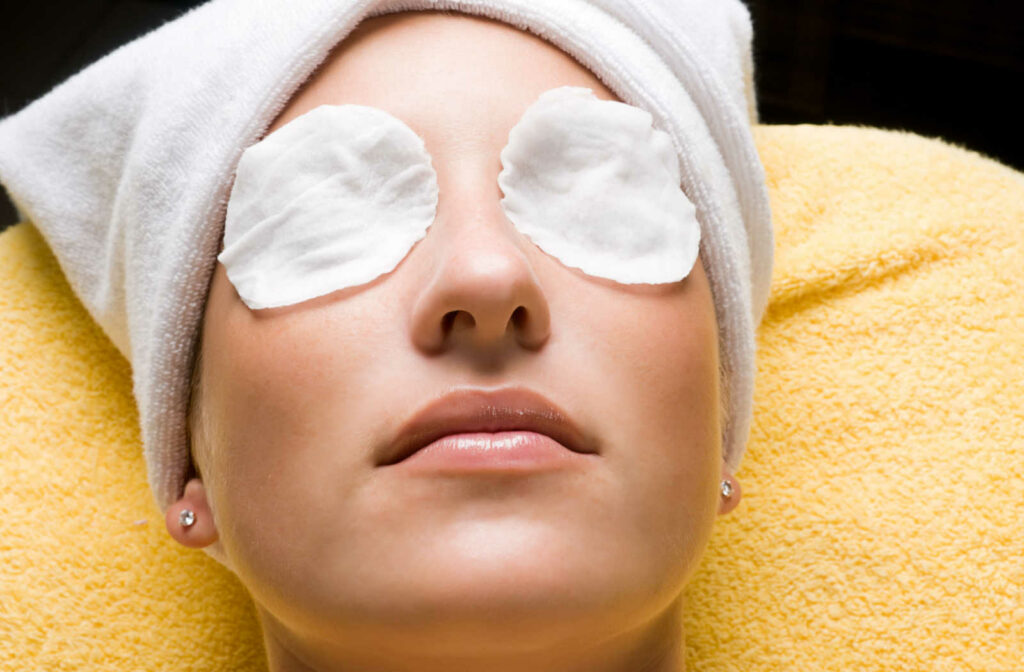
478	410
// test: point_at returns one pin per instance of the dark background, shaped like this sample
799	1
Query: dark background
941	68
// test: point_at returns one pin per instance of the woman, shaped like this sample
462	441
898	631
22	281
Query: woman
302	417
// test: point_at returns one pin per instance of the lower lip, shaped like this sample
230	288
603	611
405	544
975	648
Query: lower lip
512	451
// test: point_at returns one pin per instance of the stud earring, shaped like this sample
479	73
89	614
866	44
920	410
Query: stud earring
186	518
726	489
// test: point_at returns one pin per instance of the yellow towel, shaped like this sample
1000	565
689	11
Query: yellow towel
882	520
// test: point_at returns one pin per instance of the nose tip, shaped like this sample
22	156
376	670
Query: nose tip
484	293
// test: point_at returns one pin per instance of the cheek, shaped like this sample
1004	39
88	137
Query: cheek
657	349
270	380
654	363
284	401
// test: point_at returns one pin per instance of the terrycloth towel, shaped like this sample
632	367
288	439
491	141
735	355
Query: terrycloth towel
883	487
126	167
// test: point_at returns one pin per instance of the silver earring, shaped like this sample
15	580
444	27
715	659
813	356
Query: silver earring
726	489
186	518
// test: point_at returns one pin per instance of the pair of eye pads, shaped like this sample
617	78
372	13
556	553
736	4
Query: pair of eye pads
339	196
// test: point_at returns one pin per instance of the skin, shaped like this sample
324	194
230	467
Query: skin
355	567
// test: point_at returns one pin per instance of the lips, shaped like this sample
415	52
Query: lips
475	410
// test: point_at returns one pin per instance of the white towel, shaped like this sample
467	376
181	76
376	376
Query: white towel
126	167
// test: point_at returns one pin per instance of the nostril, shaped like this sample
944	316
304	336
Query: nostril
519	317
452	316
447	321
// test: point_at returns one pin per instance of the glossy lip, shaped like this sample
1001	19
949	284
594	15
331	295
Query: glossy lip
472	410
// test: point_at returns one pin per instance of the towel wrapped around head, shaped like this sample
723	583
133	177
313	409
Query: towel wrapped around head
127	166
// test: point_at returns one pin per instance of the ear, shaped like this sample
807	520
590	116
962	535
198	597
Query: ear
203	531
727	504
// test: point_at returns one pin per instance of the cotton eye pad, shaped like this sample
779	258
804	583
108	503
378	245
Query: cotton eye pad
333	199
595	185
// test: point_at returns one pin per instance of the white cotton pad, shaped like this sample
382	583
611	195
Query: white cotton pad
593	184
332	199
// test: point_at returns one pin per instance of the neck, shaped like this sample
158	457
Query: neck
654	646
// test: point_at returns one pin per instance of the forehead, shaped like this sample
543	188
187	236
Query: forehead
459	81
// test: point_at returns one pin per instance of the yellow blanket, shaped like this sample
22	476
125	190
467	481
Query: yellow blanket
882	520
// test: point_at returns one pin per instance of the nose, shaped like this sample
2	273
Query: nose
483	294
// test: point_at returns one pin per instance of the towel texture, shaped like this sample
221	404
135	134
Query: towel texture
883	486
126	167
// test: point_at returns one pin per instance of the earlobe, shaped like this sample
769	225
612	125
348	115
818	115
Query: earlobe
729	494
189	520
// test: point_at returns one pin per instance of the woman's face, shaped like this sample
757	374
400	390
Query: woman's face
299	402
